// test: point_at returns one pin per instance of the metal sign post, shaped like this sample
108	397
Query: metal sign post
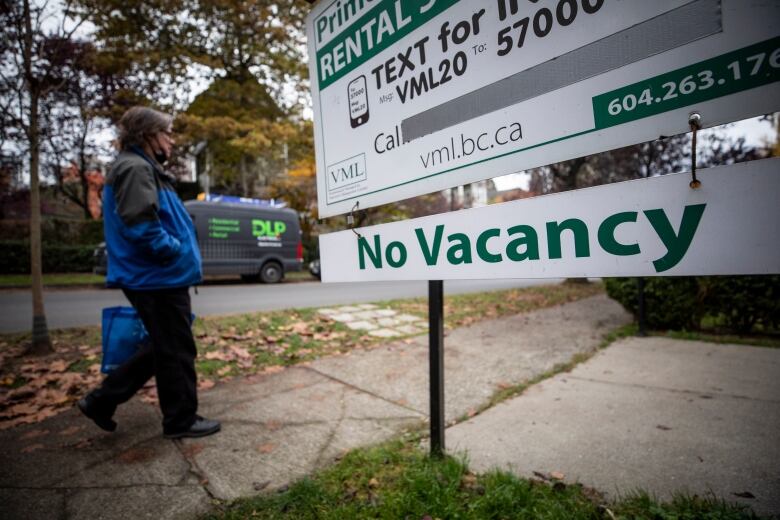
640	283
436	360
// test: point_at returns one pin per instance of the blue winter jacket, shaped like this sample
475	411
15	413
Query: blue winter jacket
150	239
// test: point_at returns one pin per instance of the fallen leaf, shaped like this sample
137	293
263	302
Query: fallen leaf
224	371
236	337
32	434
557	475
45	413
273	425
662	427
58	366
52	396
301	328
137	455
241	352
71	382
19	409
745	494
245	363
205	384
25	419
273	369
469	480
190	450
541	475
86	443
218	355
266	448
33	368
373	483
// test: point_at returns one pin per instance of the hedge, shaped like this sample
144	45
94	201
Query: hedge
55	231
57	258
737	303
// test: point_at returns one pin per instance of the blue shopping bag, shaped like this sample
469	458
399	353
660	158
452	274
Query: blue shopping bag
123	334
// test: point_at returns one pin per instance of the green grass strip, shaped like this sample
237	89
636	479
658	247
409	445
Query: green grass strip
52	279
397	480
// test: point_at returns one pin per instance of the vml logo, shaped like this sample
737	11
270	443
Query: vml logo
346	172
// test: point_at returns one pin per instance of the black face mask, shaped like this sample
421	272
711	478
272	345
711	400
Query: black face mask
160	157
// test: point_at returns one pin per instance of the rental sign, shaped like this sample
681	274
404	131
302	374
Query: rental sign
649	227
414	96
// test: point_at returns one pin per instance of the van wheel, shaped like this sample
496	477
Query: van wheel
271	273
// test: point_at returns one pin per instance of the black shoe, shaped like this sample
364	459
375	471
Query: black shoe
87	407
200	428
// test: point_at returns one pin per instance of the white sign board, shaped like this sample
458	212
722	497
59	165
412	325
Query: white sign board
413	96
649	227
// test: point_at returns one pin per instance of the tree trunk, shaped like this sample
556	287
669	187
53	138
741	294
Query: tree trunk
242	167
40	332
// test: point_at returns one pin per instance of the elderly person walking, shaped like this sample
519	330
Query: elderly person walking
153	257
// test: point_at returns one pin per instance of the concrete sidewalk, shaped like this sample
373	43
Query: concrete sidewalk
661	415
280	427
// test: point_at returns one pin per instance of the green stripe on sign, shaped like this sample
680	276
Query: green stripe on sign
743	69
374	32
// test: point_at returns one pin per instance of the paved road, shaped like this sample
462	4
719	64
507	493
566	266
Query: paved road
74	308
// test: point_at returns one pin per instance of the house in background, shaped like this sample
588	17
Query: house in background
71	181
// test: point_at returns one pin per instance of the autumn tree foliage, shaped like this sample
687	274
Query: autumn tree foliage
250	53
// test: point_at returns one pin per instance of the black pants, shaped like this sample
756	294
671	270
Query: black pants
170	357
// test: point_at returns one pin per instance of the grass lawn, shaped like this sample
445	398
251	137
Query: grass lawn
397	480
52	279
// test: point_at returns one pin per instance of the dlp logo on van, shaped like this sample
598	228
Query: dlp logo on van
346	172
268	228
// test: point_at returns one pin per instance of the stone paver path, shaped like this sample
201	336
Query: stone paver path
382	323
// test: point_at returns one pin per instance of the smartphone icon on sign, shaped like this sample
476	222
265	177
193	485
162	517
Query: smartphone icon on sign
357	94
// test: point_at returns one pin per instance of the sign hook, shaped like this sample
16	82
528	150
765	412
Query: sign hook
694	121
351	218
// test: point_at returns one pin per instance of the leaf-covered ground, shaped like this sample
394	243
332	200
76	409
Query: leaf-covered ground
34	388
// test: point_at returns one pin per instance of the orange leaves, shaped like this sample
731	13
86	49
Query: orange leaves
58	366
47	387
218	355
266	448
205	384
